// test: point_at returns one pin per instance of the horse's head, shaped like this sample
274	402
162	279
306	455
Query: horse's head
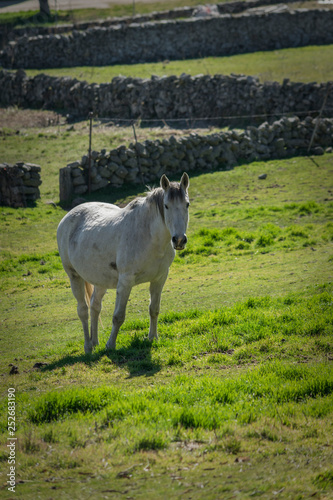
176	203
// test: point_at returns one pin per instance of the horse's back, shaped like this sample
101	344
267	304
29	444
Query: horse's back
80	223
99	242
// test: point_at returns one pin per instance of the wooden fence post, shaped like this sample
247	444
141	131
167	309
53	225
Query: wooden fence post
65	184
89	153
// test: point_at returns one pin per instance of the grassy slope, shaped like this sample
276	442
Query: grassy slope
238	399
306	64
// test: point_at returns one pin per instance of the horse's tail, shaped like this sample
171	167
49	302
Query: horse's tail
88	288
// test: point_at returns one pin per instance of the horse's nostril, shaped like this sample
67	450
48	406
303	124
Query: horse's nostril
179	241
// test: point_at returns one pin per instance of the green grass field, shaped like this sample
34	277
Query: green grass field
236	396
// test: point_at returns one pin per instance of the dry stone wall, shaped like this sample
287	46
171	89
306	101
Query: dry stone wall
19	184
145	162
234	100
180	39
7	33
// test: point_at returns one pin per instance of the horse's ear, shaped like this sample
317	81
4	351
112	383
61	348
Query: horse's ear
165	183
185	181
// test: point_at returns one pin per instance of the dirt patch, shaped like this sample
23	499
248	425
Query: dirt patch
16	119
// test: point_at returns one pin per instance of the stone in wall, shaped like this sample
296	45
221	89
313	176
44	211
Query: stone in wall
19	184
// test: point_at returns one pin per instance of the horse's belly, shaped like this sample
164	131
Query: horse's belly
104	281
102	267
104	275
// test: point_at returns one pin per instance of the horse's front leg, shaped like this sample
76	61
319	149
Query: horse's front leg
123	292
95	309
77	285
156	288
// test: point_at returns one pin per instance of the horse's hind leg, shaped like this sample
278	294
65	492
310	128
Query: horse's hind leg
78	289
95	309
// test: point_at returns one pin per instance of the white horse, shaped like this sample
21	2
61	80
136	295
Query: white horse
103	246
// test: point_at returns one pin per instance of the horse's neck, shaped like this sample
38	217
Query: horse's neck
158	230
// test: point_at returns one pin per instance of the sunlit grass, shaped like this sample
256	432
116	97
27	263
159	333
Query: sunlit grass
304	64
191	403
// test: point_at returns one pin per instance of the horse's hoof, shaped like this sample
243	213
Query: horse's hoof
88	349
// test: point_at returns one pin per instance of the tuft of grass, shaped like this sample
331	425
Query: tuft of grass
232	445
324	480
149	442
50	436
58	405
30	444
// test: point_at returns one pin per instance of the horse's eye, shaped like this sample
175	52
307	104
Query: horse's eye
187	205
166	206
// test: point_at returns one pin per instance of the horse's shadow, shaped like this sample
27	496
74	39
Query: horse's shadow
136	357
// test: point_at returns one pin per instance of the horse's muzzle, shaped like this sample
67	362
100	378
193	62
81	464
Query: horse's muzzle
179	242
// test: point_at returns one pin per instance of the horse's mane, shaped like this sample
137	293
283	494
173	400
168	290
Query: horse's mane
155	197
